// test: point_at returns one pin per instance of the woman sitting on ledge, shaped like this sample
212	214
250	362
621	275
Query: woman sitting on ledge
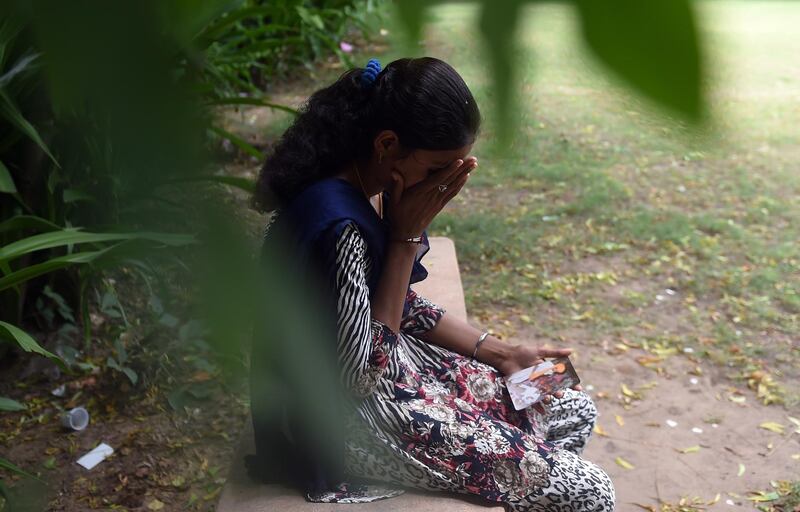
354	183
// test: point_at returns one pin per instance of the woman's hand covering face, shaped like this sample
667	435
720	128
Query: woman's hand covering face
413	208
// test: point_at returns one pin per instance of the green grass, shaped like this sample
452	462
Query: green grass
598	182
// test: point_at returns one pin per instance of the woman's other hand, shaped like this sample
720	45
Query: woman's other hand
413	208
525	356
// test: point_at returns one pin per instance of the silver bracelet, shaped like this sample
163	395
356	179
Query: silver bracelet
478	344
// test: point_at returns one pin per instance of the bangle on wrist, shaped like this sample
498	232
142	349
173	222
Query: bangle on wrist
478	344
413	240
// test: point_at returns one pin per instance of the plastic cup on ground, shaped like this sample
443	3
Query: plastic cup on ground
75	419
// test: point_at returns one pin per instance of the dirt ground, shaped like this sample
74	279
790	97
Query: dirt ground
166	457
729	454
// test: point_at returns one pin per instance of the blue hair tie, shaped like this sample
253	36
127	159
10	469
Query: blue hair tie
370	72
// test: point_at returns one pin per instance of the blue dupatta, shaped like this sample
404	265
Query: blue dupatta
315	218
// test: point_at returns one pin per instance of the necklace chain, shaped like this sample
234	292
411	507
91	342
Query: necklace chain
362	187
359	181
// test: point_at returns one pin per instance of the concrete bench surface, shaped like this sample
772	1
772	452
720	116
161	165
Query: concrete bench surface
240	494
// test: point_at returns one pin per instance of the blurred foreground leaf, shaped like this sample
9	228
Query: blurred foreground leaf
652	46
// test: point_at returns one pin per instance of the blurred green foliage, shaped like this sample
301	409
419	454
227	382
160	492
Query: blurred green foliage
652	47
108	153
108	112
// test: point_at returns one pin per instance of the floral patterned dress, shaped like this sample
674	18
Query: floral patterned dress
429	418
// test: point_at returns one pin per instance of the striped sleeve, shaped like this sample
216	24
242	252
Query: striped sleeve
364	343
422	314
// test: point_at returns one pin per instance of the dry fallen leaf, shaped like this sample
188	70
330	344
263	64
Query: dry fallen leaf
691	449
773	426
648	361
624	463
741	470
620	421
155	505
762	496
716	499
739	399
599	430
627	391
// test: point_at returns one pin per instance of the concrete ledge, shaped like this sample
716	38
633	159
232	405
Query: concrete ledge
443	284
240	494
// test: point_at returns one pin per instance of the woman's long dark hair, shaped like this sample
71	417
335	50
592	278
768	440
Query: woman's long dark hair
423	100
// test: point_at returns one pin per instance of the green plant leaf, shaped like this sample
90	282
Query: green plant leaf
6	181
26	342
309	18
14	469
188	17
72	195
28	222
10	112
653	46
122	354
245	184
178	398
63	308
51	265
7	404
69	236
131	374
257	102
111	306
23	64
217	28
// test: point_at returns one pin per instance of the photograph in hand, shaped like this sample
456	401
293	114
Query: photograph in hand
530	385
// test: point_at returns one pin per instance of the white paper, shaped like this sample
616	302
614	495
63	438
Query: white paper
95	456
